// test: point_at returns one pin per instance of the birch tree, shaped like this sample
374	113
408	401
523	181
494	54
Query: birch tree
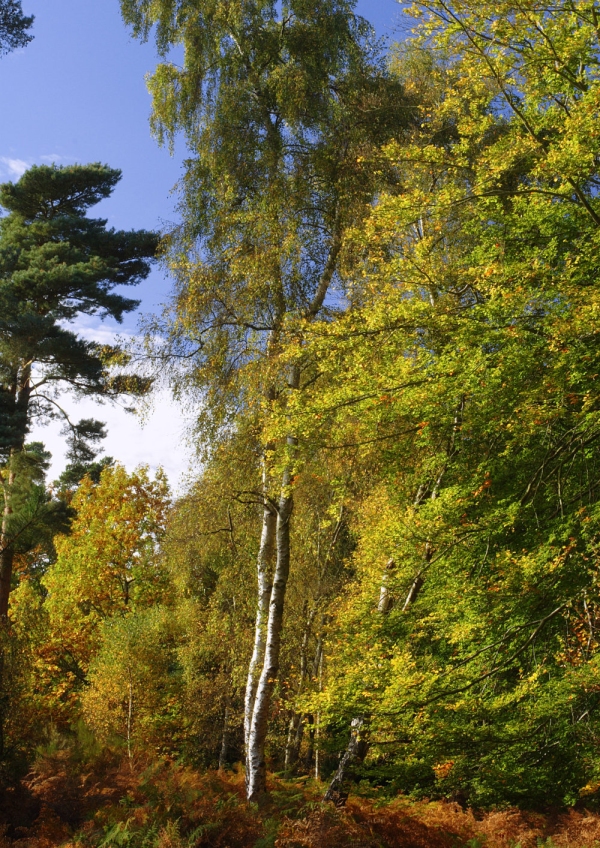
284	109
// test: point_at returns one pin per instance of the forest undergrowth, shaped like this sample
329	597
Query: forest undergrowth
70	801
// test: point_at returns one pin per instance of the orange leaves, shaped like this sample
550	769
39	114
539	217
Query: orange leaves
484	486
108	565
442	770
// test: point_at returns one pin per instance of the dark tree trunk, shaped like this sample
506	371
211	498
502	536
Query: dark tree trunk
354	753
6	568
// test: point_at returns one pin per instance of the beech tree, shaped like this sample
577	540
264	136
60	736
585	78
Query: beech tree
106	568
465	374
55	265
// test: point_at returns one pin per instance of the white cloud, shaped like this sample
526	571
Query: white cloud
55	157
94	329
14	168
158	439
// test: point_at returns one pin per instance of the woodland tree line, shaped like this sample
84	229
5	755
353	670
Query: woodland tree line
385	321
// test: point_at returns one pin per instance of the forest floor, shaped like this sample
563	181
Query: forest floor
164	805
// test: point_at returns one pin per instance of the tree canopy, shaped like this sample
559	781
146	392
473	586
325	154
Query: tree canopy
55	265
13	26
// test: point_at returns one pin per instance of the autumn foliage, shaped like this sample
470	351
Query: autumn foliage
372	615
68	804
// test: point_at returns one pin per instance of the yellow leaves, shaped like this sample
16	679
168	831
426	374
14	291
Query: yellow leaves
590	788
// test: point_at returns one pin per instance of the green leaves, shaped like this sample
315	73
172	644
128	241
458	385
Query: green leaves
13	26
48	191
57	264
461	381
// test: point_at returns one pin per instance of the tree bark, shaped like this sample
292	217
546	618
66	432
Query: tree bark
318	674
224	741
264	564
294	740
385	597
6	569
21	393
7	553
256	774
258	699
310	750
256	770
355	752
296	726
129	716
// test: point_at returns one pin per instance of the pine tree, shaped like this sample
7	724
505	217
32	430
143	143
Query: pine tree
55	265
13	26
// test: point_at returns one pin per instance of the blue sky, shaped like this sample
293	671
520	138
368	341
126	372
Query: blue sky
77	94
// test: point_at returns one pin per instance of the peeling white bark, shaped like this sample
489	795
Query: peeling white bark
256	770
264	565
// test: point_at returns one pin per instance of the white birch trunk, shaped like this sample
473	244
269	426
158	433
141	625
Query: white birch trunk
264	564
258	698
256	773
355	752
256	770
385	598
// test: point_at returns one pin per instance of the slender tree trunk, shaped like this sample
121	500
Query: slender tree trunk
129	717
355	752
318	673
256	770
414	591
290	745
451	451
298	721
258	700
224	741
6	569
7	553
358	745
385	598
296	726
264	564
310	750
256	774
21	393
317	748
